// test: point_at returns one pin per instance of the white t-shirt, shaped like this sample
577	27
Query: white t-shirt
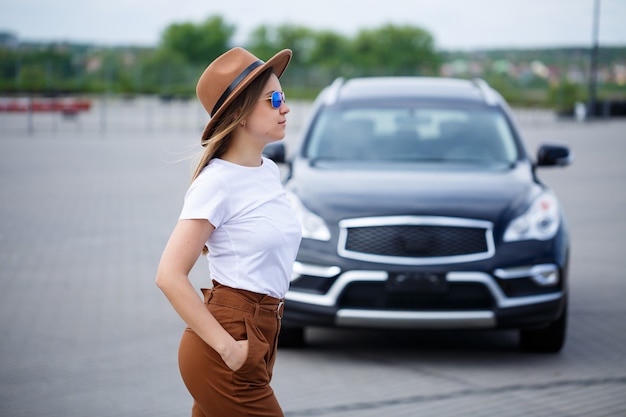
257	234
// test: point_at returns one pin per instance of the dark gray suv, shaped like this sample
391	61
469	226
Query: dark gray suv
421	209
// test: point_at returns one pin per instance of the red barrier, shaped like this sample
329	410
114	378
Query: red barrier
66	106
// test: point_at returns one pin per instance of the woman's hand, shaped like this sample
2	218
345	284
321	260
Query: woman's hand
235	357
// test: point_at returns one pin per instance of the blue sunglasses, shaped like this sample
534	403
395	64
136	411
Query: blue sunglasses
276	99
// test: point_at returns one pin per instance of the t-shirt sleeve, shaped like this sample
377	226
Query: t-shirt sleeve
206	198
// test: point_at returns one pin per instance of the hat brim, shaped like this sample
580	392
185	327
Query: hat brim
278	63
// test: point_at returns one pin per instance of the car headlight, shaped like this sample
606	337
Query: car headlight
313	226
541	221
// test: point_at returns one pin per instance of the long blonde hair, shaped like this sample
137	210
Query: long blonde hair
220	138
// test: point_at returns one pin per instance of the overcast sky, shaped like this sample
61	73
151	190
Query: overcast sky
455	24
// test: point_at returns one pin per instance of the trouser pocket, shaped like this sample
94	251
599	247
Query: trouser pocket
254	371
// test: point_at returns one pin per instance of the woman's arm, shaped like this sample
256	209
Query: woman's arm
178	258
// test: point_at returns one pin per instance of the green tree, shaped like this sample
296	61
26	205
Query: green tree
298	38
262	42
198	44
331	50
32	77
565	95
396	50
331	57
166	72
48	69
265	41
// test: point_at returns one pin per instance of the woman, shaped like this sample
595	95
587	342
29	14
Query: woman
237	213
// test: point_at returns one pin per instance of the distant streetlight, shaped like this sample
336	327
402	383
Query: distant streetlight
593	70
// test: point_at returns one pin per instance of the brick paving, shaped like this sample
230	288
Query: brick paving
84	330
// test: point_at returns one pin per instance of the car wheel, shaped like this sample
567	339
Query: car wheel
291	337
548	340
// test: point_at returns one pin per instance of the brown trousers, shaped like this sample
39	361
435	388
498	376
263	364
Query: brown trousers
217	391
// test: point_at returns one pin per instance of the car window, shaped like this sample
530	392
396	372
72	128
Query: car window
477	136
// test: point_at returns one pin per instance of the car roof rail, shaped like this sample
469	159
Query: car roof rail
487	92
333	90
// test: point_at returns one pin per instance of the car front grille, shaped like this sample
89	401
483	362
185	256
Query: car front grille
459	297
412	240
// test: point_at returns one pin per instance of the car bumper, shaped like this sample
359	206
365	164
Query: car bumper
499	310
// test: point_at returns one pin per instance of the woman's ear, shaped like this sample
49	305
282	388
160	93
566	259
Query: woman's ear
236	116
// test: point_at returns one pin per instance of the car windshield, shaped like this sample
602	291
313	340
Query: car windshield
467	136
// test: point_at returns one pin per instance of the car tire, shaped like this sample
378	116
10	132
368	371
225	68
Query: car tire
291	337
547	340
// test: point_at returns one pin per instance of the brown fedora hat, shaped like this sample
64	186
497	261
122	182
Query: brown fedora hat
228	75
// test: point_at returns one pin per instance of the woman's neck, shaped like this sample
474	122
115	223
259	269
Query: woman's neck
243	156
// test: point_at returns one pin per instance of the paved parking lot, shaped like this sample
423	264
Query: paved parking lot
85	213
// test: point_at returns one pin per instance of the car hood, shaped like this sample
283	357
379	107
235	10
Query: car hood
339	192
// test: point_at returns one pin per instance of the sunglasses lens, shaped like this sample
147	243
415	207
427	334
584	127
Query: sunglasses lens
277	99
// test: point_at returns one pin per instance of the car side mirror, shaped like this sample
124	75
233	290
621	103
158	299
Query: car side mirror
553	155
275	151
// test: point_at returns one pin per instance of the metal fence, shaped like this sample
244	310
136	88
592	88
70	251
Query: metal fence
110	114
154	115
